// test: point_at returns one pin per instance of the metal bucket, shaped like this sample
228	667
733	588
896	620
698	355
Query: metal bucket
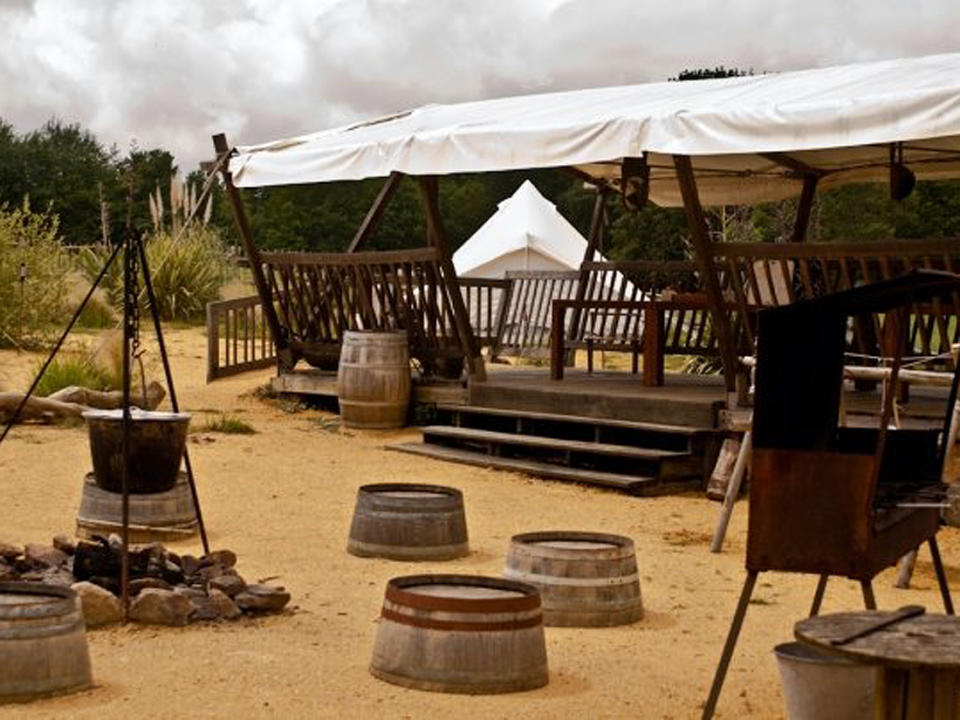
817	686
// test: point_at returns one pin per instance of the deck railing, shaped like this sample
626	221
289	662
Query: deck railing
526	321
486	300
238	338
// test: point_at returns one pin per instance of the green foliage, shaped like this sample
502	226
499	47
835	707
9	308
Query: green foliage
229	425
70	369
186	273
31	238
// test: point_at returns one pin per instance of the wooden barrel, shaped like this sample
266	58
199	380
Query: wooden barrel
460	634
585	579
373	382
167	515
43	648
408	521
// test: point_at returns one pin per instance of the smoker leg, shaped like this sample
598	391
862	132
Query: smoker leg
730	644
869	601
941	576
818	595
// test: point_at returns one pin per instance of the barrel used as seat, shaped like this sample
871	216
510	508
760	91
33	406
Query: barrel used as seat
460	634
408	521
155	516
43	648
585	579
373	380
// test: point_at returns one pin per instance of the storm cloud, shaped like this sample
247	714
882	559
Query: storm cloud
170	73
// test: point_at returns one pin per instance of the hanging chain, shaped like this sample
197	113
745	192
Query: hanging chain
132	300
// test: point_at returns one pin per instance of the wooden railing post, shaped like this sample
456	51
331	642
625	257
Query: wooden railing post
284	356
213	342
436	231
593	242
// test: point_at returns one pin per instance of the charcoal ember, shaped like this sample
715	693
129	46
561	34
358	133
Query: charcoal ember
94	559
230	585
161	607
111	582
64	544
44	556
139	584
100	607
262	598
156	551
173	557
223	558
214	606
171	573
10	552
7	573
22	565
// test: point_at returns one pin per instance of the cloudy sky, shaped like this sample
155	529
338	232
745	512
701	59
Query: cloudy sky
170	73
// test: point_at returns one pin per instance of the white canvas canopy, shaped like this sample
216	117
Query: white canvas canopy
837	122
527	232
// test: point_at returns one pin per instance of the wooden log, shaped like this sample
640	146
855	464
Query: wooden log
723	470
461	634
42	642
38	409
111	400
408	521
585	579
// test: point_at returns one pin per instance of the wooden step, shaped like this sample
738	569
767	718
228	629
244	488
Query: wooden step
635	485
537	441
579	419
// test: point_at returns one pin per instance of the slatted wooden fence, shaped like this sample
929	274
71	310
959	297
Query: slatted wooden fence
526	322
238	338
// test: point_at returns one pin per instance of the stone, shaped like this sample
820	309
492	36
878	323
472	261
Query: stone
223	558
57	576
189	564
7	573
154	606
44	556
262	598
100	607
140	584
230	585
10	552
190	592
214	606
64	544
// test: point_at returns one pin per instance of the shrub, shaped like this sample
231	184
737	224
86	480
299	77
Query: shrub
31	238
186	273
229	425
69	369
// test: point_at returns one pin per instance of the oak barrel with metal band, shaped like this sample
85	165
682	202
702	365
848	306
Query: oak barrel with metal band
585	579
373	379
460	634
43	648
408	521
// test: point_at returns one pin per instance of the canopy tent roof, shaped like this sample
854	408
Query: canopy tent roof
524	222
751	138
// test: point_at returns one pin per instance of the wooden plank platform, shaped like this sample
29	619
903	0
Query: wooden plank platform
324	383
635	485
534	441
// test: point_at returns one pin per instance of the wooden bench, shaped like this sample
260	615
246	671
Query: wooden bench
651	343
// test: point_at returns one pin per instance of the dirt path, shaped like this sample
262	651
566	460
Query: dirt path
283	498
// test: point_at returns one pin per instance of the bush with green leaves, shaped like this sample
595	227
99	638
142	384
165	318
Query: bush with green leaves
30	312
187	272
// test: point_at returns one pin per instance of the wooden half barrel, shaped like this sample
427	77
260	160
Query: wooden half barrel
460	634
167	515
43	647
408	521
585	579
373	381
157	441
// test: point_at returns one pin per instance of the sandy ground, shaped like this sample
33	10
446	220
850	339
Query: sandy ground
283	498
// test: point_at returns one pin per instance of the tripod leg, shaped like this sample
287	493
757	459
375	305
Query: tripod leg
818	595
730	644
941	576
869	601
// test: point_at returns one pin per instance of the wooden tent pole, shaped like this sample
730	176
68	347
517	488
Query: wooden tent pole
704	258
376	211
803	209
593	242
284	355
438	236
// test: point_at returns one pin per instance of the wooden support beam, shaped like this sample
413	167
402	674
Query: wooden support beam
437	235
376	211
803	208
708	273
284	355
791	163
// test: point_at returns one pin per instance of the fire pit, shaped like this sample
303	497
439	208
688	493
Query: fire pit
157	440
